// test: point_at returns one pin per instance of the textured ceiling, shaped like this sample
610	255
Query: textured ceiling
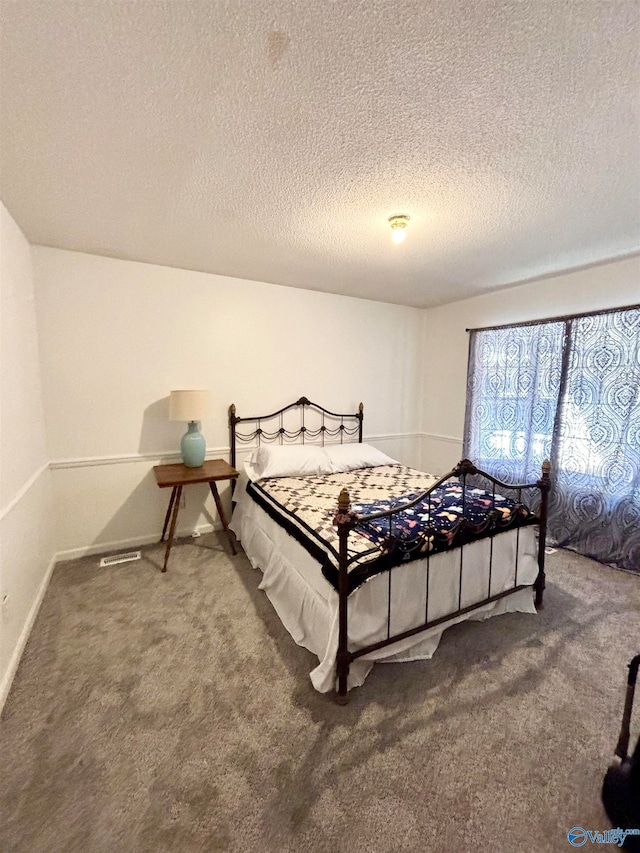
272	140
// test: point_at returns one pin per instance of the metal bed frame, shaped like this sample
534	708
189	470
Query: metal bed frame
333	425
335	428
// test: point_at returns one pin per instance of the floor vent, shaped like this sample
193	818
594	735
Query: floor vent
120	558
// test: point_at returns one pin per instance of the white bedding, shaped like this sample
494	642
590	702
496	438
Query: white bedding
307	604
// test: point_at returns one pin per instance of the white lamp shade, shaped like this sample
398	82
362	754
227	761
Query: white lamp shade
190	406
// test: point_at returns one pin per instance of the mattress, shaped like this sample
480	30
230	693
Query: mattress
307	602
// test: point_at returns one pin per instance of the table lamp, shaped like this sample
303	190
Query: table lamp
191	406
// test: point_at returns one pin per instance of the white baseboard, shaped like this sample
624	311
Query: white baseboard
134	542
7	678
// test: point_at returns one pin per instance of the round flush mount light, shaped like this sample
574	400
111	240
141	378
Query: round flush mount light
398	225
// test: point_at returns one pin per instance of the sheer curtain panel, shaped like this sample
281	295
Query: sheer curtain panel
595	505
567	390
512	398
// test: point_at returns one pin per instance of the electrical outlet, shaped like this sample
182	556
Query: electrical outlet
183	501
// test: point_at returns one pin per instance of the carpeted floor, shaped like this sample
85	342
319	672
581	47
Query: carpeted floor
157	713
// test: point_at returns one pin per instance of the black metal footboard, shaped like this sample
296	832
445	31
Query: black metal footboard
346	521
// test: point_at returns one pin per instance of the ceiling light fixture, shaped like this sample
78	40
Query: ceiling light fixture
398	225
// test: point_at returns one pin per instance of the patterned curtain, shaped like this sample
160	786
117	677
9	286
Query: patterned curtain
512	397
595	506
570	392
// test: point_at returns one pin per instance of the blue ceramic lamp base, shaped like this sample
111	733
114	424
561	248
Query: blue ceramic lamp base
193	446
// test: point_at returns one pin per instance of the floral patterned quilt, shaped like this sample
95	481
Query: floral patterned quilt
305	507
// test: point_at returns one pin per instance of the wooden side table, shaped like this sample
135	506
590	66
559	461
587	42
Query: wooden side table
177	476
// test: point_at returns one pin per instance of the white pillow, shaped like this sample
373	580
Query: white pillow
346	457
250	470
296	460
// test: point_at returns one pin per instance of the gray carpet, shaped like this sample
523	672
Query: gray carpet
157	713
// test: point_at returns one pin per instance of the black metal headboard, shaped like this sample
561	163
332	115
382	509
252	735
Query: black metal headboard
330	425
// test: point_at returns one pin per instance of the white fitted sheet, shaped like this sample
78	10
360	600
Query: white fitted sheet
307	604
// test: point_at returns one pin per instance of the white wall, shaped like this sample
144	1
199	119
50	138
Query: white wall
444	380
26	535
117	336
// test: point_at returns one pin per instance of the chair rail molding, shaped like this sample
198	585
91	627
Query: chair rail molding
450	439
164	456
15	500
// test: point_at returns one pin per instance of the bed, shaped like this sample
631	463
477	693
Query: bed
367	560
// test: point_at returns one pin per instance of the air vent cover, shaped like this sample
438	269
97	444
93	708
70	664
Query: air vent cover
120	558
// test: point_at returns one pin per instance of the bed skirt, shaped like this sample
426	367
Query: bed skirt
307	604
